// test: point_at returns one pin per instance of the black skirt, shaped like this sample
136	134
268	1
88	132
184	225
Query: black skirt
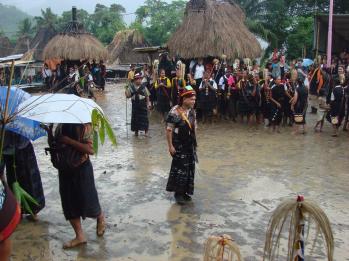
78	192
163	101
181	179
28	175
139	119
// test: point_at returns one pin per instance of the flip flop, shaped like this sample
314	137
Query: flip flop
73	243
100	228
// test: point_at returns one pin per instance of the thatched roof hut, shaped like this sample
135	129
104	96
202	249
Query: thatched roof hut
213	28
42	37
5	46
121	48
74	44
22	45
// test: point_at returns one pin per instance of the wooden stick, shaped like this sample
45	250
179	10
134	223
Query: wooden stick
258	203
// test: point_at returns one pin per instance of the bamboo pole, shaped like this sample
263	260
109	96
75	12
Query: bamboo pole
5	117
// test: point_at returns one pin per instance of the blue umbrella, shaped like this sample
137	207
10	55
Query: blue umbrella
307	62
28	128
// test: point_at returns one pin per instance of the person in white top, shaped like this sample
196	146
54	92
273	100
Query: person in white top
198	72
46	75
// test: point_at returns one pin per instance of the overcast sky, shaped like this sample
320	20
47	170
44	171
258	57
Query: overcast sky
33	7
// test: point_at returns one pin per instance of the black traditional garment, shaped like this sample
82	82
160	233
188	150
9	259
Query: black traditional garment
139	118
287	105
337	105
231	94
177	86
302	102
181	178
265	101
76	185
207	94
21	166
278	94
163	95
245	103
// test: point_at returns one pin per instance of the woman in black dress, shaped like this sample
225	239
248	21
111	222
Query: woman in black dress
22	167
163	94
277	99
181	139
337	106
73	143
299	105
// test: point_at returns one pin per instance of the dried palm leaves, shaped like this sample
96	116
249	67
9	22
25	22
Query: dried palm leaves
221	248
297	215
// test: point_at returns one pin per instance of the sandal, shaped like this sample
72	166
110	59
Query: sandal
100	228
74	243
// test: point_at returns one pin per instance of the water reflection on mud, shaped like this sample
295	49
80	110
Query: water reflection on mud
239	165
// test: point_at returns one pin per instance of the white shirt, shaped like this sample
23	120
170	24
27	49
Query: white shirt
199	71
214	85
46	73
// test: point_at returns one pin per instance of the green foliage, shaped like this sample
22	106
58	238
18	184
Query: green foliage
23	197
101	127
10	17
47	19
287	23
25	27
106	21
300	37
158	19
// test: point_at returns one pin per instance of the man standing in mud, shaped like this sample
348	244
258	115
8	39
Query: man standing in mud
139	95
181	139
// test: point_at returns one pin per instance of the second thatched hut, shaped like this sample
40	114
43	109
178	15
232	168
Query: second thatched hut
121	48
213	28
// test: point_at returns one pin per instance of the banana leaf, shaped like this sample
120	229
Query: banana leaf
23	198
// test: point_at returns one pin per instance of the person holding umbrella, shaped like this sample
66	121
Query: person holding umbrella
70	148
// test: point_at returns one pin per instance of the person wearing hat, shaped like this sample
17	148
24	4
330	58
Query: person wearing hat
181	139
163	94
208	100
139	95
131	73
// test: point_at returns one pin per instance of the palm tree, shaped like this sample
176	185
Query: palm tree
47	19
25	27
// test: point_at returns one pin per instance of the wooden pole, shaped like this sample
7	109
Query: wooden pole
317	41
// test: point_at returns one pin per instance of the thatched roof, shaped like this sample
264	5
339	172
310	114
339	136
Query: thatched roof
42	37
121	48
212	28
74	43
22	45
5	46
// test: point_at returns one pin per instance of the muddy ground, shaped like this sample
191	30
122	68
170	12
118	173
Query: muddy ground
238	167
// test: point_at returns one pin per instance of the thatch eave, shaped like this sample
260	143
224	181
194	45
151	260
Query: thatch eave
214	29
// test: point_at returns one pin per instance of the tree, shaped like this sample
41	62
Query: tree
158	19
300	38
106	21
47	19
25	27
82	15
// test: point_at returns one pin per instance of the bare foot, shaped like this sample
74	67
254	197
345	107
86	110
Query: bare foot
100	229
74	243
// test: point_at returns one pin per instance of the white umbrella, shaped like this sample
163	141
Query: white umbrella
58	108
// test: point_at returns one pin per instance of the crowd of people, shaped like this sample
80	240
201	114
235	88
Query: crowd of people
208	90
75	79
277	95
